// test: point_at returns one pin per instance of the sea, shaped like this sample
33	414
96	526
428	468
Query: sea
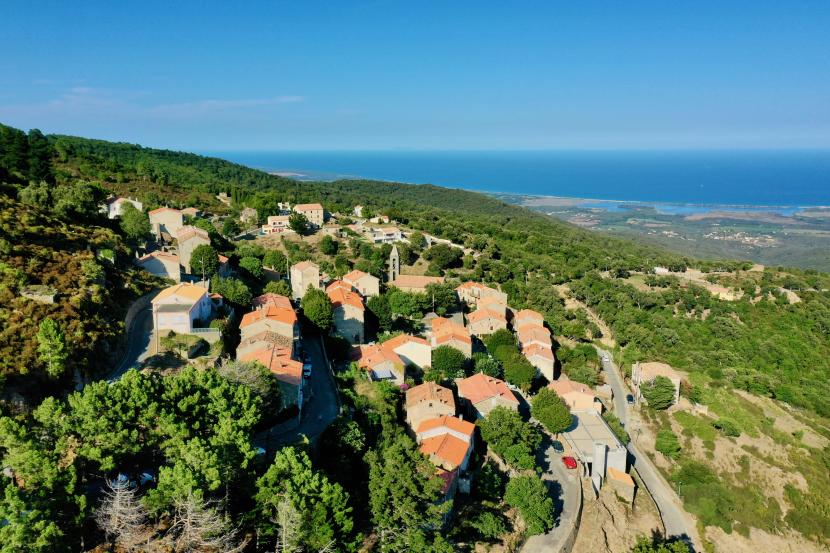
783	181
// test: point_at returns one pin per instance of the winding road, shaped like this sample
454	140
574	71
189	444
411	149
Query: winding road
677	521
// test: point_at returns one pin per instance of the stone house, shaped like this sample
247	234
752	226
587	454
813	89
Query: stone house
364	283
482	322
348	311
165	222
447	441
188	239
161	264
315	213
428	401
304	275
577	396
484	393
445	332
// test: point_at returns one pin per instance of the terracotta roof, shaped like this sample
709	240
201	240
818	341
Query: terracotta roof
270	337
470	285
415	281
368	357
276	313
402	339
480	387
190	292
429	391
491	300
278	360
565	385
161	209
448	476
340	296
447	448
453	423
303	265
653	369
274	299
189	231
223	259
307	207
159	254
529	314
449	337
531	333
484	313
538	349
356	275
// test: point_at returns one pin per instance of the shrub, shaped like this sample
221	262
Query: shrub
667	444
659	393
727	427
529	495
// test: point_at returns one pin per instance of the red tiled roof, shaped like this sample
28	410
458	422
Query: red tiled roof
274	299
484	313
453	423
447	448
402	339
531	333
280	314
368	357
538	349
307	207
278	361
161	209
429	391
480	387
341	294
303	265
565	385
415	281
354	276
189	231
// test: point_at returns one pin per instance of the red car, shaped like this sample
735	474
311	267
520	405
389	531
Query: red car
569	462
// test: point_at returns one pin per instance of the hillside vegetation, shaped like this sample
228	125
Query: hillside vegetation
764	345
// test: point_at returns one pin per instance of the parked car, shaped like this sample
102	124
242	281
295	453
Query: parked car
307	370
629	399
557	446
569	462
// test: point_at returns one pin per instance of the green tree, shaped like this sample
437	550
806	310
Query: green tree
204	261
659	393
280	287
328	245
252	266
40	157
616	427
518	370
403	493
487	365
498	339
78	201
298	223
549	409
667	444
449	362
318	309
323	506
51	347
257	378
511	438
134	223
232	289
35	194
276	260
230	227
442	256
379	307
530	496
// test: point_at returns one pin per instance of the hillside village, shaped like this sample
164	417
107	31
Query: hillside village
445	394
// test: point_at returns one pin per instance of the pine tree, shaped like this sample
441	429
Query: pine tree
52	347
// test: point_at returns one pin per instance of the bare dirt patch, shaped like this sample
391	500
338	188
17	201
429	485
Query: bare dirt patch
784	421
759	541
609	525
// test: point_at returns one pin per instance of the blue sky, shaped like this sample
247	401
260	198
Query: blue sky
421	75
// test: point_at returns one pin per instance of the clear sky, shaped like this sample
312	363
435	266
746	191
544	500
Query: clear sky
308	75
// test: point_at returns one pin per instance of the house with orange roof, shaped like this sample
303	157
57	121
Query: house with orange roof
224	266
188	239
485	321
484	393
471	292
447	441
275	315
542	358
428	401
381	363
525	317
304	275
262	339
348	311
288	371
445	332
315	213
414	283
161	264
364	283
181	308
165	222
493	304
534	334
577	396
412	350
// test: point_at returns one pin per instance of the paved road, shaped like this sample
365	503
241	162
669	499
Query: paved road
319	410
139	336
567	503
677	522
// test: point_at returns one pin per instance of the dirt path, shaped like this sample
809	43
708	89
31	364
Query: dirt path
572	303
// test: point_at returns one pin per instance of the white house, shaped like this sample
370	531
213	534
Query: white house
177	308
